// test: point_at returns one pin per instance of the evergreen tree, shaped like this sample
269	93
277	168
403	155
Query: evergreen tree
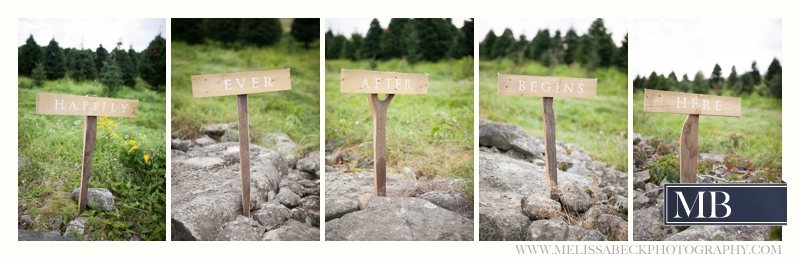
55	62
134	59
663	83
392	42
502	43
434	37
699	85
224	29
775	86
412	44
516	51
602	42
39	74
773	69
261	31
733	79
189	30
485	47
587	54
622	55
685	85
746	82
125	65
571	41
81	66
637	82
111	78
755	75
352	49
371	49
450	37
652	81
30	55
466	46
153	66
335	49
100	57
716	80
540	44
305	30
672	81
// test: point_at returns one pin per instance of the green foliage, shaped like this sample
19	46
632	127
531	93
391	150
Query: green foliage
305	30
622	55
754	73
371	48
125	65
393	42
661	147
665	166
100	57
189	30
699	84
773	70
502	43
435	37
134	60
30	55
571	41
412	43
716	81
776	86
81	65
353	47
486	45
227	30
465	40
111	78
55	62
639	158
259	31
335	49
153	66
39	75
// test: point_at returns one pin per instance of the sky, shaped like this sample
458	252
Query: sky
346	27
529	27
93	32
689	45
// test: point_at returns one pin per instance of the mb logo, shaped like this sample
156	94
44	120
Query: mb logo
725	204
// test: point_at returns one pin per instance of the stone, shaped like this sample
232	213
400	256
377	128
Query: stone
76	228
648	225
363	200
452	201
337	207
204	141
502	225
574	197
637	138
230	136
641	178
352	185
288	198
29	235
310	205
400	218
292	231
24	222
298	214
547	230
302	187
55	223
508	137
649	187
98	198
329	146
241	229
576	233
178	144
538	207
722	233
614	227
308	164
271	215
640	201
281	143
218	130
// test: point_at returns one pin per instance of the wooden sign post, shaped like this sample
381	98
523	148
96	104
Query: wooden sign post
694	105
242	84
374	83
89	107
547	88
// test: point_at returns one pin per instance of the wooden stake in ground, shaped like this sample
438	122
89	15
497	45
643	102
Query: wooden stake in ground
374	83
242	84
694	105
90	107
547	88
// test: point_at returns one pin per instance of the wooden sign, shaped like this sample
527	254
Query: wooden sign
547	88
241	83
90	107
544	86
374	82
62	104
688	103
694	105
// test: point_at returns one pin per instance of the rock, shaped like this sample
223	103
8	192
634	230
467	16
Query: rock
499	224
271	215
352	185
649	187
613	227
288	198
218	130
621	203
299	215
230	136
203	199
574	197
452	201
28	235
576	233
99	198
538	207
337	207
310	205
637	138
547	230
308	164
178	144
76	228
281	143
363	200
719	158
55	223
24	222
292	231
640	201
329	146
618	180
722	233
241	229
648	225
400	218
301	187
365	163
509	137
641	178
204	141
135	237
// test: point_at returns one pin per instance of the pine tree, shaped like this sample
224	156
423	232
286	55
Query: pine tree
652	81
100	57
392	42
502	43
485	47
335	49
261	31
434	38
571	41
81	66
716	80
39	74
699	84
353	47
539	45
135	60
29	56
371	49
622	55
466	46
755	74
775	86
685	85
733	79
189	30
305	30
746	83
153	66
55	62
412	44
125	65
111	78
602	43
516	51
773	69
637	82
224	29
672	81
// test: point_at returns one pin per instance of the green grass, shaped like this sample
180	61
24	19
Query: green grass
431	134
52	145
295	112
599	125
759	125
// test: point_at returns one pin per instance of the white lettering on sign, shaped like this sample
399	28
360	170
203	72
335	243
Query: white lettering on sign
254	81
398	82
718	103
522	85
567	87
689	103
241	83
361	81
60	104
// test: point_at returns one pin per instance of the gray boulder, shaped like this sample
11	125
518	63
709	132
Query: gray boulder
574	197
309	164
29	235
452	201
204	141
337	207
648	225
576	233
509	137
502	225
76	228
292	231
547	230
538	207
288	198
99	198
281	143
722	233
271	215
612	226
241	229
218	130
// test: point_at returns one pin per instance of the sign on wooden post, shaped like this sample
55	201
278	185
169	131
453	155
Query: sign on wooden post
547	88
90	107
242	84
374	83
694	105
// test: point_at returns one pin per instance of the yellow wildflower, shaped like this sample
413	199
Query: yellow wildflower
115	135
133	142
146	158
109	129
134	147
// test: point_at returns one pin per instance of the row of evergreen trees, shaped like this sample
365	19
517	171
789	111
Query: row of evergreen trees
251	31
116	68
416	39
737	84
593	49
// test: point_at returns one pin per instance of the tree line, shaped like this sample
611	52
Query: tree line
737	84
593	49
115	68
414	39
251	31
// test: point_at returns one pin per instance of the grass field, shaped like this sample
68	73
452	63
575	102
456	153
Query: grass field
50	162
599	125
430	134
295	112
759	126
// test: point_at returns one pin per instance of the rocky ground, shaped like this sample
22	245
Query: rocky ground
514	205
206	189
648	198
415	208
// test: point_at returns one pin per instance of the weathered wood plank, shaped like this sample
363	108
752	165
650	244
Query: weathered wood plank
244	153
689	154
89	137
379	109
374	82
62	104
549	118
689	103
522	85
241	83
